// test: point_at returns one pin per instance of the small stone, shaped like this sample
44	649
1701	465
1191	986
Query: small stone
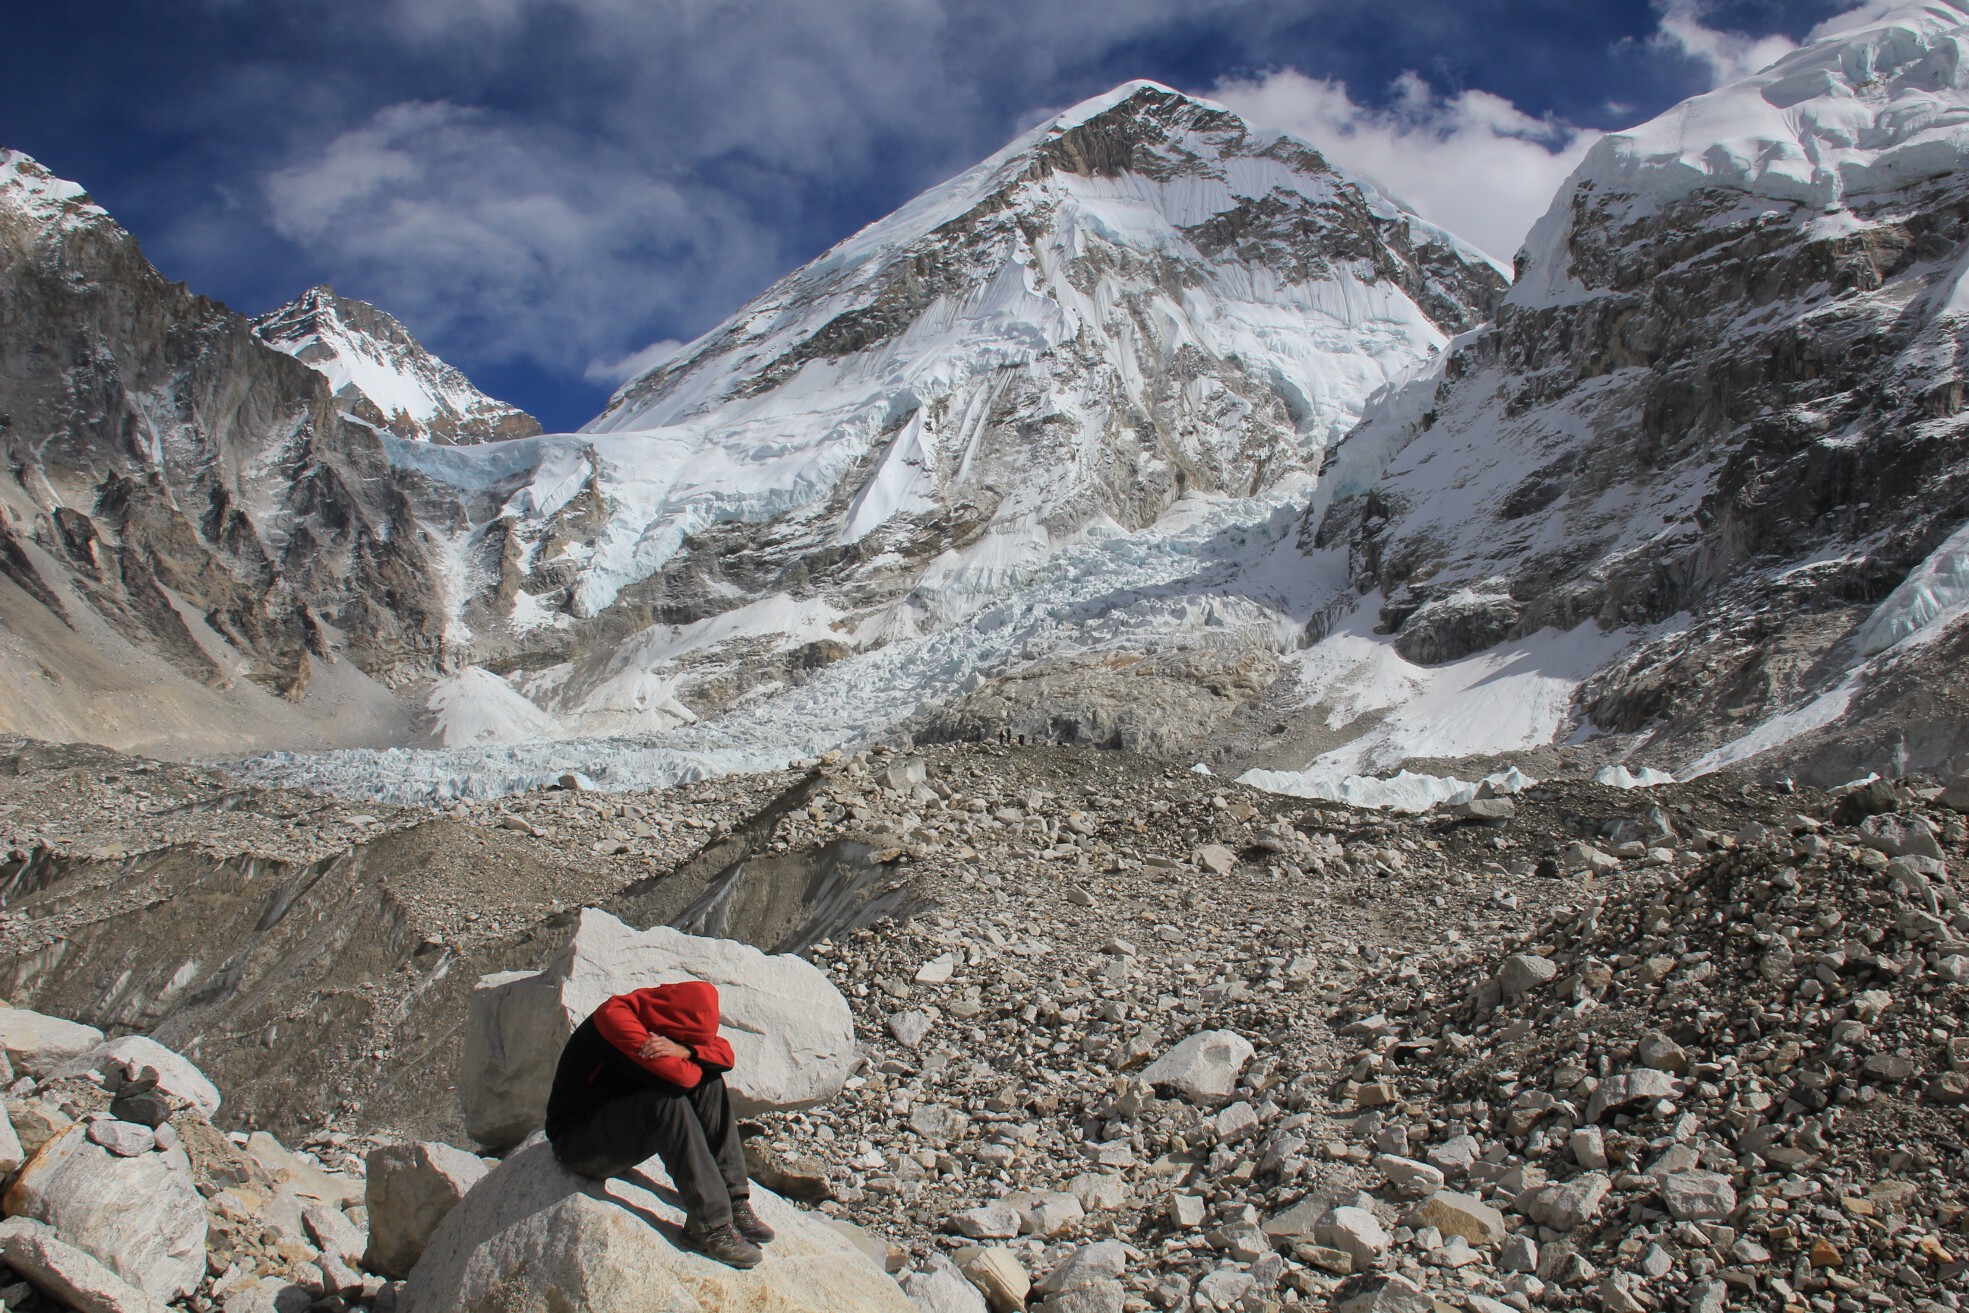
1453	1157
1376	1094
1216	858
1519	1254
1185	1211
939	1287
1100	1191
1105	1260
1409	1177
988	1222
939	1123
1354	1232
1379	1294
997	1272
124	1139
1588	1148
1524	972
909	1028
1950	1089
1204	1068
1484	809
1698	1196
1456	1214
1661	1053
1051	1213
1225	1286
1585	857
1566	1206
1617	1093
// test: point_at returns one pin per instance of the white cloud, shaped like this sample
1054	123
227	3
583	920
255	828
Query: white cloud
624	368
1729	56
1474	163
522	240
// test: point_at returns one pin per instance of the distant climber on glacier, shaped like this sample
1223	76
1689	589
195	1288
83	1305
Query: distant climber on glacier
645	1077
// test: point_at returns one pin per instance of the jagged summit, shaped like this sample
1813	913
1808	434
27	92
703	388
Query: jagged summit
1177	165
384	374
29	190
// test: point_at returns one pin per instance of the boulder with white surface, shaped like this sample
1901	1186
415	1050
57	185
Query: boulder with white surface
789	1026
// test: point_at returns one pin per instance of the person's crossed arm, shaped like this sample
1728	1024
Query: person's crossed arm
661	1046
657	1053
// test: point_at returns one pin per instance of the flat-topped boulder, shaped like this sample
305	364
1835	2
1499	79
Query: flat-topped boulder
533	1237
789	1026
36	1043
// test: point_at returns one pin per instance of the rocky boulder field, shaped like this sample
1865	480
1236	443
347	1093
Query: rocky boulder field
1037	1028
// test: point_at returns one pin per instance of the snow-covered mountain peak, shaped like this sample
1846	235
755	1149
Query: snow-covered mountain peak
1143	169
368	355
1864	110
28	189
1128	337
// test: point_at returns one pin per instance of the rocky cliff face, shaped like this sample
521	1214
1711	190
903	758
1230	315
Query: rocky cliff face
181	502
384	376
1717	419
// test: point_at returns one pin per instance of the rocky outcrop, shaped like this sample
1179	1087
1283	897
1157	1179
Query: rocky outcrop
1717	417
176	486
788	1025
126	1202
36	1043
137	1058
535	1238
33	1251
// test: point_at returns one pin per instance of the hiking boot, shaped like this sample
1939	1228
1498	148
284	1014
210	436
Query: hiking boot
722	1243
749	1224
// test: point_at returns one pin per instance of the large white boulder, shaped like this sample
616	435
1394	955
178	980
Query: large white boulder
177	1076
411	1189
68	1274
140	1216
36	1043
533	1237
790	1028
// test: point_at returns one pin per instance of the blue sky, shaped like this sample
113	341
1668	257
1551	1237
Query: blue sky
542	189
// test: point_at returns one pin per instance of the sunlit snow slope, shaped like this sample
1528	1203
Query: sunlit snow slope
1154	431
368	357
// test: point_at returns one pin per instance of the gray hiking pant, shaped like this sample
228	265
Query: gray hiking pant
692	1131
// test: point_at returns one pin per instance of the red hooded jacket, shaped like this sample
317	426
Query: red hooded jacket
686	1012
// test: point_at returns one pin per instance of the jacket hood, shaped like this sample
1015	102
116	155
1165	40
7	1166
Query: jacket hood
686	1011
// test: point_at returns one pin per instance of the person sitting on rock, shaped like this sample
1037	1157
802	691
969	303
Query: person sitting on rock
645	1077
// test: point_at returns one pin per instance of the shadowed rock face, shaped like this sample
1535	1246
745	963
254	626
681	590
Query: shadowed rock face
1740	422
174	477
